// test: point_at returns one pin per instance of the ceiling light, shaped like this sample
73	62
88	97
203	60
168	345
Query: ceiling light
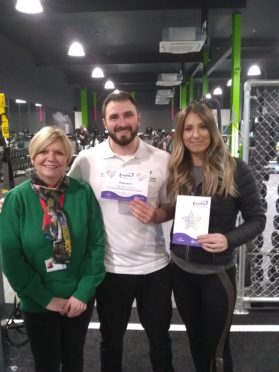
229	83
76	50
97	73
254	70
38	104
29	6
109	85
208	95
117	91
20	101
217	91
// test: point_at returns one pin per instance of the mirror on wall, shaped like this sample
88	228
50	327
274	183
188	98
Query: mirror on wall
27	117
24	116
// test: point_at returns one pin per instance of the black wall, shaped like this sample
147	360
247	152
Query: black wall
21	78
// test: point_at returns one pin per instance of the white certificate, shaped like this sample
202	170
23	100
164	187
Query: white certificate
191	219
125	184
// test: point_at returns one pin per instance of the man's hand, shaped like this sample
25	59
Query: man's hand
143	211
146	213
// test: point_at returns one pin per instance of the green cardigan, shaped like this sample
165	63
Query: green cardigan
24	248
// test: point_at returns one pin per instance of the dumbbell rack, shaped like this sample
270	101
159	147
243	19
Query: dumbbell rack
14	163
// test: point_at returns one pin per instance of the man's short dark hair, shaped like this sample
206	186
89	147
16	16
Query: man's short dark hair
117	97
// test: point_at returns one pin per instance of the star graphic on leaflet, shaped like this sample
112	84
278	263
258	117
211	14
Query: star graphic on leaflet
191	221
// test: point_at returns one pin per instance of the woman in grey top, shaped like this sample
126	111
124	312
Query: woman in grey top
204	277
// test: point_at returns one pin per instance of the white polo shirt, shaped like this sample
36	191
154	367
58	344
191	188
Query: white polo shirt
131	246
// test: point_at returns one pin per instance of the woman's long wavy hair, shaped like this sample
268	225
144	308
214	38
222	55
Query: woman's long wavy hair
219	165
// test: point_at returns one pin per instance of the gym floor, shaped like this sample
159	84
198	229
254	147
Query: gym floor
254	345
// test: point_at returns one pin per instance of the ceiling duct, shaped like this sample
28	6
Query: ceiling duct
169	79
179	40
162	100
165	93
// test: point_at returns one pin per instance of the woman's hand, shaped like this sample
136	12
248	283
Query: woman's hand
213	243
57	304
74	307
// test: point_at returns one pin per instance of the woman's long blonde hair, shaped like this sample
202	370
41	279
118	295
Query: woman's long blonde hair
219	165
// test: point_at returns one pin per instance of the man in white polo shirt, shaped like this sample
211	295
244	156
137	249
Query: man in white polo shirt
136	260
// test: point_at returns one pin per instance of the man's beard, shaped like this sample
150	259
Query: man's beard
124	140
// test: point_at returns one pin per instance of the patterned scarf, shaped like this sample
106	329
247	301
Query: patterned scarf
55	226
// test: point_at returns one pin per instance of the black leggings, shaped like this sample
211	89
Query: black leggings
205	304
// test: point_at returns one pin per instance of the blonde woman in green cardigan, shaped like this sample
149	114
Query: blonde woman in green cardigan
52	251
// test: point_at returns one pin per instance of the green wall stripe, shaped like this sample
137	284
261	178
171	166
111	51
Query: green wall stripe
205	76
84	107
183	96
235	88
191	90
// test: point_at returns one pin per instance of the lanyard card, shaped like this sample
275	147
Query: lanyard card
52	266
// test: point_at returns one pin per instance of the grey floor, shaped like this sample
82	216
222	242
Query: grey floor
251	351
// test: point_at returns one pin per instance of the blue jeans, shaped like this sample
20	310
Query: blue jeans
115	297
56	339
